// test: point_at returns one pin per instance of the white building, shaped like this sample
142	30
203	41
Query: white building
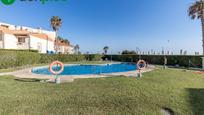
19	37
65	48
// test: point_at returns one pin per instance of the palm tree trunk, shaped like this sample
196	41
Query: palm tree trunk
202	21
29	45
56	43
47	46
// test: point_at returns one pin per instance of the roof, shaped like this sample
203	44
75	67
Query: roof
41	35
16	32
62	43
24	32
5	30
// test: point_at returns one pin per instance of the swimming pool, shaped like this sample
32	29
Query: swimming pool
89	69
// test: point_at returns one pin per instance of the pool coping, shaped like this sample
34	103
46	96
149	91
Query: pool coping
27	73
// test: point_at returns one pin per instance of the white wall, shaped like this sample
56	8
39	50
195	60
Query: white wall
50	34
1	44
51	46
70	50
10	41
1	40
45	45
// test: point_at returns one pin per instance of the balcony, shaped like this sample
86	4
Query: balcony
22	45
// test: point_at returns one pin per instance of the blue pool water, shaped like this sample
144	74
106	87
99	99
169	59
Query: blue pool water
89	69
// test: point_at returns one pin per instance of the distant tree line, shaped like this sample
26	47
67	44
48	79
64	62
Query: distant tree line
128	52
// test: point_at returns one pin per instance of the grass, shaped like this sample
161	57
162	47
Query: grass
8	70
182	91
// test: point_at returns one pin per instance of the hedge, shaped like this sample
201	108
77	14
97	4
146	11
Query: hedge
14	58
181	60
47	58
27	50
17	58
93	57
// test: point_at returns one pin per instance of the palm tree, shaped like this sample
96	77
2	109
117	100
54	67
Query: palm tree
76	48
196	10
105	49
56	23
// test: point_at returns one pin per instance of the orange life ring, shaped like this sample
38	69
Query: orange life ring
141	62
58	63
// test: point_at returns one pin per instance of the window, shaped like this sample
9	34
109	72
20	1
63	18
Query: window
21	40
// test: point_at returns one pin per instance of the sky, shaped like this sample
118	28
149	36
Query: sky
119	24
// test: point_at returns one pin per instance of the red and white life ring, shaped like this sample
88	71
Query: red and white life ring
56	63
141	62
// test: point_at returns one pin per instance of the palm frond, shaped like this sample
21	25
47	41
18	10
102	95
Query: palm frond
56	23
196	10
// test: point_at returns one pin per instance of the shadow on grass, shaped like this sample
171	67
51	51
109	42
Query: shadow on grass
196	99
27	79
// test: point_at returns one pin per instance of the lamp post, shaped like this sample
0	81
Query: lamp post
138	52
111	56
165	59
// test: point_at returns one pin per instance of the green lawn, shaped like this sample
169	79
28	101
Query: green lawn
179	90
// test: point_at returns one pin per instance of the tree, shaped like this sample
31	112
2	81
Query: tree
66	41
56	23
76	49
128	52
105	49
63	40
181	52
60	38
196	10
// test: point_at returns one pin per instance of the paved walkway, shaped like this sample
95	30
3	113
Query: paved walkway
26	73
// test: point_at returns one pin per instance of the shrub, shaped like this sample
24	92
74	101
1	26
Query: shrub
93	57
27	50
181	60
10	58
47	58
14	58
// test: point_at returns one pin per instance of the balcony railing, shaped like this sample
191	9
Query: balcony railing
22	45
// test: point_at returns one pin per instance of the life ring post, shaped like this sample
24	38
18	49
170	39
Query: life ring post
144	65
56	73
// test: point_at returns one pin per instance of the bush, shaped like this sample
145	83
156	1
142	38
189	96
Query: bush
46	58
93	57
181	60
14	58
9	58
27	50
